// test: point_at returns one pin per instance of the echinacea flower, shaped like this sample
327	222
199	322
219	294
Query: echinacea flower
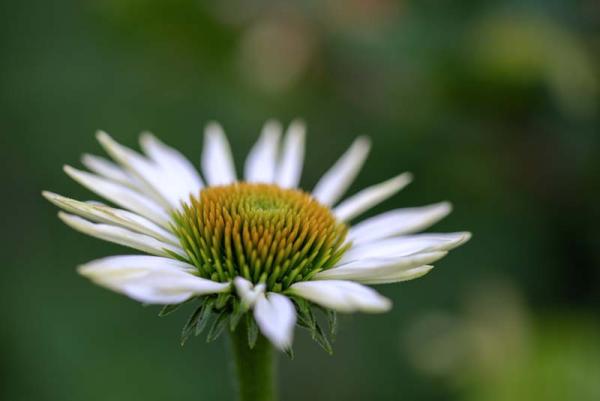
256	244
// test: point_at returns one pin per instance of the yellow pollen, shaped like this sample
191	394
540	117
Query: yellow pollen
261	232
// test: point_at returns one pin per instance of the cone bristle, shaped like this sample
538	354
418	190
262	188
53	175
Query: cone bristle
261	232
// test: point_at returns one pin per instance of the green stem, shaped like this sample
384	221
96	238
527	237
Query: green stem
254	367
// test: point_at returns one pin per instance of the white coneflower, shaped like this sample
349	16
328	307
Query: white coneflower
258	243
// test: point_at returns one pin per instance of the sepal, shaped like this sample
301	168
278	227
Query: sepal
308	320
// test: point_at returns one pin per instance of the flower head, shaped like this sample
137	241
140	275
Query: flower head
260	232
259	244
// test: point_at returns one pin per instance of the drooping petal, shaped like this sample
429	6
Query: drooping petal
275	315
261	162
371	196
173	162
406	245
121	195
341	295
106	214
398	222
396	277
247	291
292	157
366	269
156	180
110	170
217	161
340	176
150	279
120	236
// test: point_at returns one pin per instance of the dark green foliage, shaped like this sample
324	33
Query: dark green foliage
190	325
252	330
168	309
225	310
236	315
219	324
332	320
205	316
308	320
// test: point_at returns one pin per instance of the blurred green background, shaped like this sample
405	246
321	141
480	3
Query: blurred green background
493	105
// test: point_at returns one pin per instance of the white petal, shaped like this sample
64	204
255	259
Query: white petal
150	279
262	159
403	275
342	296
275	315
406	245
367	269
110	170
292	157
131	266
173	162
156	180
106	214
217	161
336	181
370	197
398	222
248	292
120	236
121	196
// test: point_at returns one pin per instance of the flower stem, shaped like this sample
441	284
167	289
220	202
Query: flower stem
254	367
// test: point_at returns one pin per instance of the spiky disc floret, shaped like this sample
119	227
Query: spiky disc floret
261	232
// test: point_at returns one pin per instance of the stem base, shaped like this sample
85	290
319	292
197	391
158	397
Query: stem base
254	368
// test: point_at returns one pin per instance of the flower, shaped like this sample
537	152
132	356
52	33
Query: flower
261	244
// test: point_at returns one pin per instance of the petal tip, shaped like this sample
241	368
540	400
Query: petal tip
387	305
83	270
298	122
86	158
213	128
364	141
147	137
65	217
49	195
297	129
273	124
405	178
444	205
465	237
381	305
73	172
102	136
